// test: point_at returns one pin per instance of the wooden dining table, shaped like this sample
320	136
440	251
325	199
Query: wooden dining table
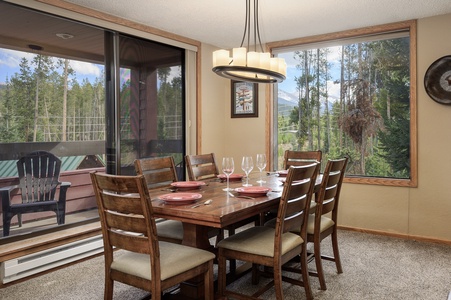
225	209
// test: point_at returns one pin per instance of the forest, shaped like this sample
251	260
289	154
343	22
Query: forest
370	120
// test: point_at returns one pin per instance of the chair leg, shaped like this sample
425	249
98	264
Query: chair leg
19	218
278	282
305	274
109	284
208	282
319	265
6	223
221	274
336	252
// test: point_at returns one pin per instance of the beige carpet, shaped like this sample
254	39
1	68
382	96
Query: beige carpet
375	267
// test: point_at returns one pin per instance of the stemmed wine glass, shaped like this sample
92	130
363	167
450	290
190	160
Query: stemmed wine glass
261	164
227	167
247	165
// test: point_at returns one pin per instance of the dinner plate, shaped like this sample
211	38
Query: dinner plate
232	177
282	173
253	190
187	185
180	198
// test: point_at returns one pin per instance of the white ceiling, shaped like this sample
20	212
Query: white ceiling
221	22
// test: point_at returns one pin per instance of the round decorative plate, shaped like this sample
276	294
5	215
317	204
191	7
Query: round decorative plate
437	80
187	185
232	177
253	190
180	198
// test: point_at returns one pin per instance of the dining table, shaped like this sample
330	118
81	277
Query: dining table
212	207
222	209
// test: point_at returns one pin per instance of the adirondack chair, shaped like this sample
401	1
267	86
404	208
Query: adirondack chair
38	181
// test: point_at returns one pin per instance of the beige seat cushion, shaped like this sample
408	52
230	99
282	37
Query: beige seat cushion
325	223
174	259
260	240
170	229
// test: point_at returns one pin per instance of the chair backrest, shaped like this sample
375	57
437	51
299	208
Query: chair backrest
300	158
157	171
329	193
202	166
126	216
38	176
295	201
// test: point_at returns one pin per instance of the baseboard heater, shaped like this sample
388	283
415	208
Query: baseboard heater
45	260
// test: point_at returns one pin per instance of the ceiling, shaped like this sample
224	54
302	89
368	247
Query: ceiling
216	22
221	22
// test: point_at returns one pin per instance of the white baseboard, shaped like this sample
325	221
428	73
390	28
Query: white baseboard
42	261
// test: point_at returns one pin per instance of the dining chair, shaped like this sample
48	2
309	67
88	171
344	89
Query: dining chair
274	246
160	172
201	166
128	225
299	158
323	222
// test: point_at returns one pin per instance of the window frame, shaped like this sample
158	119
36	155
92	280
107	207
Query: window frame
409	26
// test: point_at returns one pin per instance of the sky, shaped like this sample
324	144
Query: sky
289	85
10	60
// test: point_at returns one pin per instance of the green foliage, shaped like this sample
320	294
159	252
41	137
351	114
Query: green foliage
370	122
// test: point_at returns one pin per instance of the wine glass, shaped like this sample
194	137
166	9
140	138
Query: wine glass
227	167
261	164
247	165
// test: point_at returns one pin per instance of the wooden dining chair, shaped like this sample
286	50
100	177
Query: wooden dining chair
160	172
300	158
323	222
201	166
274	246
128	225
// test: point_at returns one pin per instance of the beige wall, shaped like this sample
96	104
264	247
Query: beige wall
424	211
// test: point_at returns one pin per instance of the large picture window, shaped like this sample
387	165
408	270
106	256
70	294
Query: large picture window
351	96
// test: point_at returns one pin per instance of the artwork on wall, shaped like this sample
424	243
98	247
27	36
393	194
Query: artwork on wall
244	99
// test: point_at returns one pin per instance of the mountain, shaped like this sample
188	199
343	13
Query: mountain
286	101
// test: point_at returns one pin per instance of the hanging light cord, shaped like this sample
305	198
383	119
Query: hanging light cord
247	27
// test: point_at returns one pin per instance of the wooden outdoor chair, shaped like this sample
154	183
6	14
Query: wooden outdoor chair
128	225
38	181
324	222
274	246
160	172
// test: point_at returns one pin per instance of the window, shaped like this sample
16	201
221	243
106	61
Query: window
65	95
352	96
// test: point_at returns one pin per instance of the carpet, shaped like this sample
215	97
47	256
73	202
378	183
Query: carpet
374	267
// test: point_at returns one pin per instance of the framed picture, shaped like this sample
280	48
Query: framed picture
244	99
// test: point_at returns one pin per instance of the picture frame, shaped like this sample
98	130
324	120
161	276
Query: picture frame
244	99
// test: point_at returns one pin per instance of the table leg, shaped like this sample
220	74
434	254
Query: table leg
195	236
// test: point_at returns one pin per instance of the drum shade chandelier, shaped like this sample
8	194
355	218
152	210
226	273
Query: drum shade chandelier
246	65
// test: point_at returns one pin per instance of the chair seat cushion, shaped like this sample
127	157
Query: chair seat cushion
325	223
260	240
174	259
170	229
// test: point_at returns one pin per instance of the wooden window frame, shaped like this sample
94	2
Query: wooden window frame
411	27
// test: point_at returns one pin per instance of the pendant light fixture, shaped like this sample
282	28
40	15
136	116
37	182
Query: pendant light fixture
247	65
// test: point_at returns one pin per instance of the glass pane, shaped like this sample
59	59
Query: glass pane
52	98
349	100
151	102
